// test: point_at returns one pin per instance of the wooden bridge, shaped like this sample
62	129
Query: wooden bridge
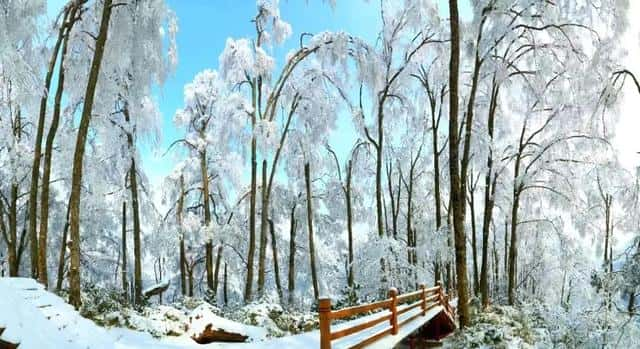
395	319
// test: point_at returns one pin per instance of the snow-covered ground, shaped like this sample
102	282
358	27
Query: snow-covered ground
35	318
503	327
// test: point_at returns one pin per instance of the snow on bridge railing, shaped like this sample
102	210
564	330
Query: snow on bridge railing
6	344
425	298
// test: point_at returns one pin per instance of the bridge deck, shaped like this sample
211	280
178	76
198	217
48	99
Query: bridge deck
312	339
388	341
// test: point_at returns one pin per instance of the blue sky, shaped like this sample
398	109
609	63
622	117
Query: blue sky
205	25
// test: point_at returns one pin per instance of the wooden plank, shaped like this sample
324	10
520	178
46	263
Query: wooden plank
409	295
432	289
359	309
416	294
433	305
431	298
411	306
372	339
410	318
359	327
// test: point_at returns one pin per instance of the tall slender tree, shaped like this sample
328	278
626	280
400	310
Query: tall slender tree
78	157
457	177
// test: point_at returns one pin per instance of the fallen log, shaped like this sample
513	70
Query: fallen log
156	289
210	335
7	345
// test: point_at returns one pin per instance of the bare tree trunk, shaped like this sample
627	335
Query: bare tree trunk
608	225
125	286
133	187
496	268
63	250
489	198
183	257
436	178
457	178
216	272
225	295
23	240
606	236
394	204
35	168
611	241
448	272
190	274
518	186
5	236
252	219
312	249
506	247
160	263
274	251
513	250
262	254
48	155
204	173
350	278
183	273
14	263
76	178
292	255
411	232
379	204
474	248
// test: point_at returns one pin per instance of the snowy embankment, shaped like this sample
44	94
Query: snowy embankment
503	327
35	319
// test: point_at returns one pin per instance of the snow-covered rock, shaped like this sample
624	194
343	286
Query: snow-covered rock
158	321
276	320
262	315
202	320
156	289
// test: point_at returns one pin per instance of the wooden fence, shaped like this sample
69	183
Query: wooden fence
424	298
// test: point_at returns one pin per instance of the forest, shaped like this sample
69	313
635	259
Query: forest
467	145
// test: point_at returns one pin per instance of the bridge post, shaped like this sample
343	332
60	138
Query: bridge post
324	313
440	292
393	307
423	297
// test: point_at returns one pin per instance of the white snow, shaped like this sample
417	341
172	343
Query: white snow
36	319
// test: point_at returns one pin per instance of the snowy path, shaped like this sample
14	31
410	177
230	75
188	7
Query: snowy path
36	319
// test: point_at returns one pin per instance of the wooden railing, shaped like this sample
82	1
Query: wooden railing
424	298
